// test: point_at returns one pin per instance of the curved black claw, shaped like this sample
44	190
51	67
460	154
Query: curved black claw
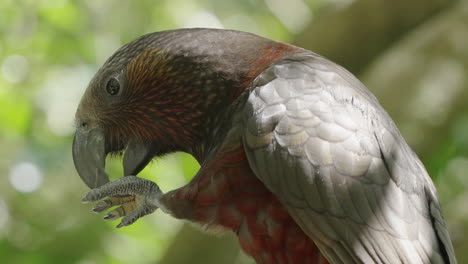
137	197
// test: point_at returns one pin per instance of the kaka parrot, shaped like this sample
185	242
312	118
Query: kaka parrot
297	157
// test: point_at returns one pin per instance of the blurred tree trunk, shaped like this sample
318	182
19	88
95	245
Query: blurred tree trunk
355	35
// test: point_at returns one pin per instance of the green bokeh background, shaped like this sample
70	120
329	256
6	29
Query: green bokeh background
412	54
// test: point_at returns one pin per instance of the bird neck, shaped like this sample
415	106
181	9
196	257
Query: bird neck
225	99
190	83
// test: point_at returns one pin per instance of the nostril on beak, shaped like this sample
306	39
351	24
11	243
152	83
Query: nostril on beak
84	124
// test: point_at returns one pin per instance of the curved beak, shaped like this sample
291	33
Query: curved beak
89	156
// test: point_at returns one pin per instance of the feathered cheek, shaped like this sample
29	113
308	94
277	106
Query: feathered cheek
132	124
116	138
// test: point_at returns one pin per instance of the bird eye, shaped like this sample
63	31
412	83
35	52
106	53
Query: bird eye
113	86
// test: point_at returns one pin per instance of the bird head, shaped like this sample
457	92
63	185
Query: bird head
161	93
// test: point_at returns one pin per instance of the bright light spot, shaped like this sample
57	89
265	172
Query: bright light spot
4	214
59	118
25	177
15	68
202	19
60	94
293	14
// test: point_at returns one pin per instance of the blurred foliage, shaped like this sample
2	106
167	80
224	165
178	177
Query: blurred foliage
413	57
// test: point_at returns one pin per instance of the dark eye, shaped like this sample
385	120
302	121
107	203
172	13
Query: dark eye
113	86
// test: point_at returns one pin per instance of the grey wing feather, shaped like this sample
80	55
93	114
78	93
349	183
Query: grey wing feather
321	142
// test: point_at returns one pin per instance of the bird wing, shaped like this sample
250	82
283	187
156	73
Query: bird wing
320	141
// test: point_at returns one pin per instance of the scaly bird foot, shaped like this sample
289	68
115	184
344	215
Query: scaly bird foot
137	197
